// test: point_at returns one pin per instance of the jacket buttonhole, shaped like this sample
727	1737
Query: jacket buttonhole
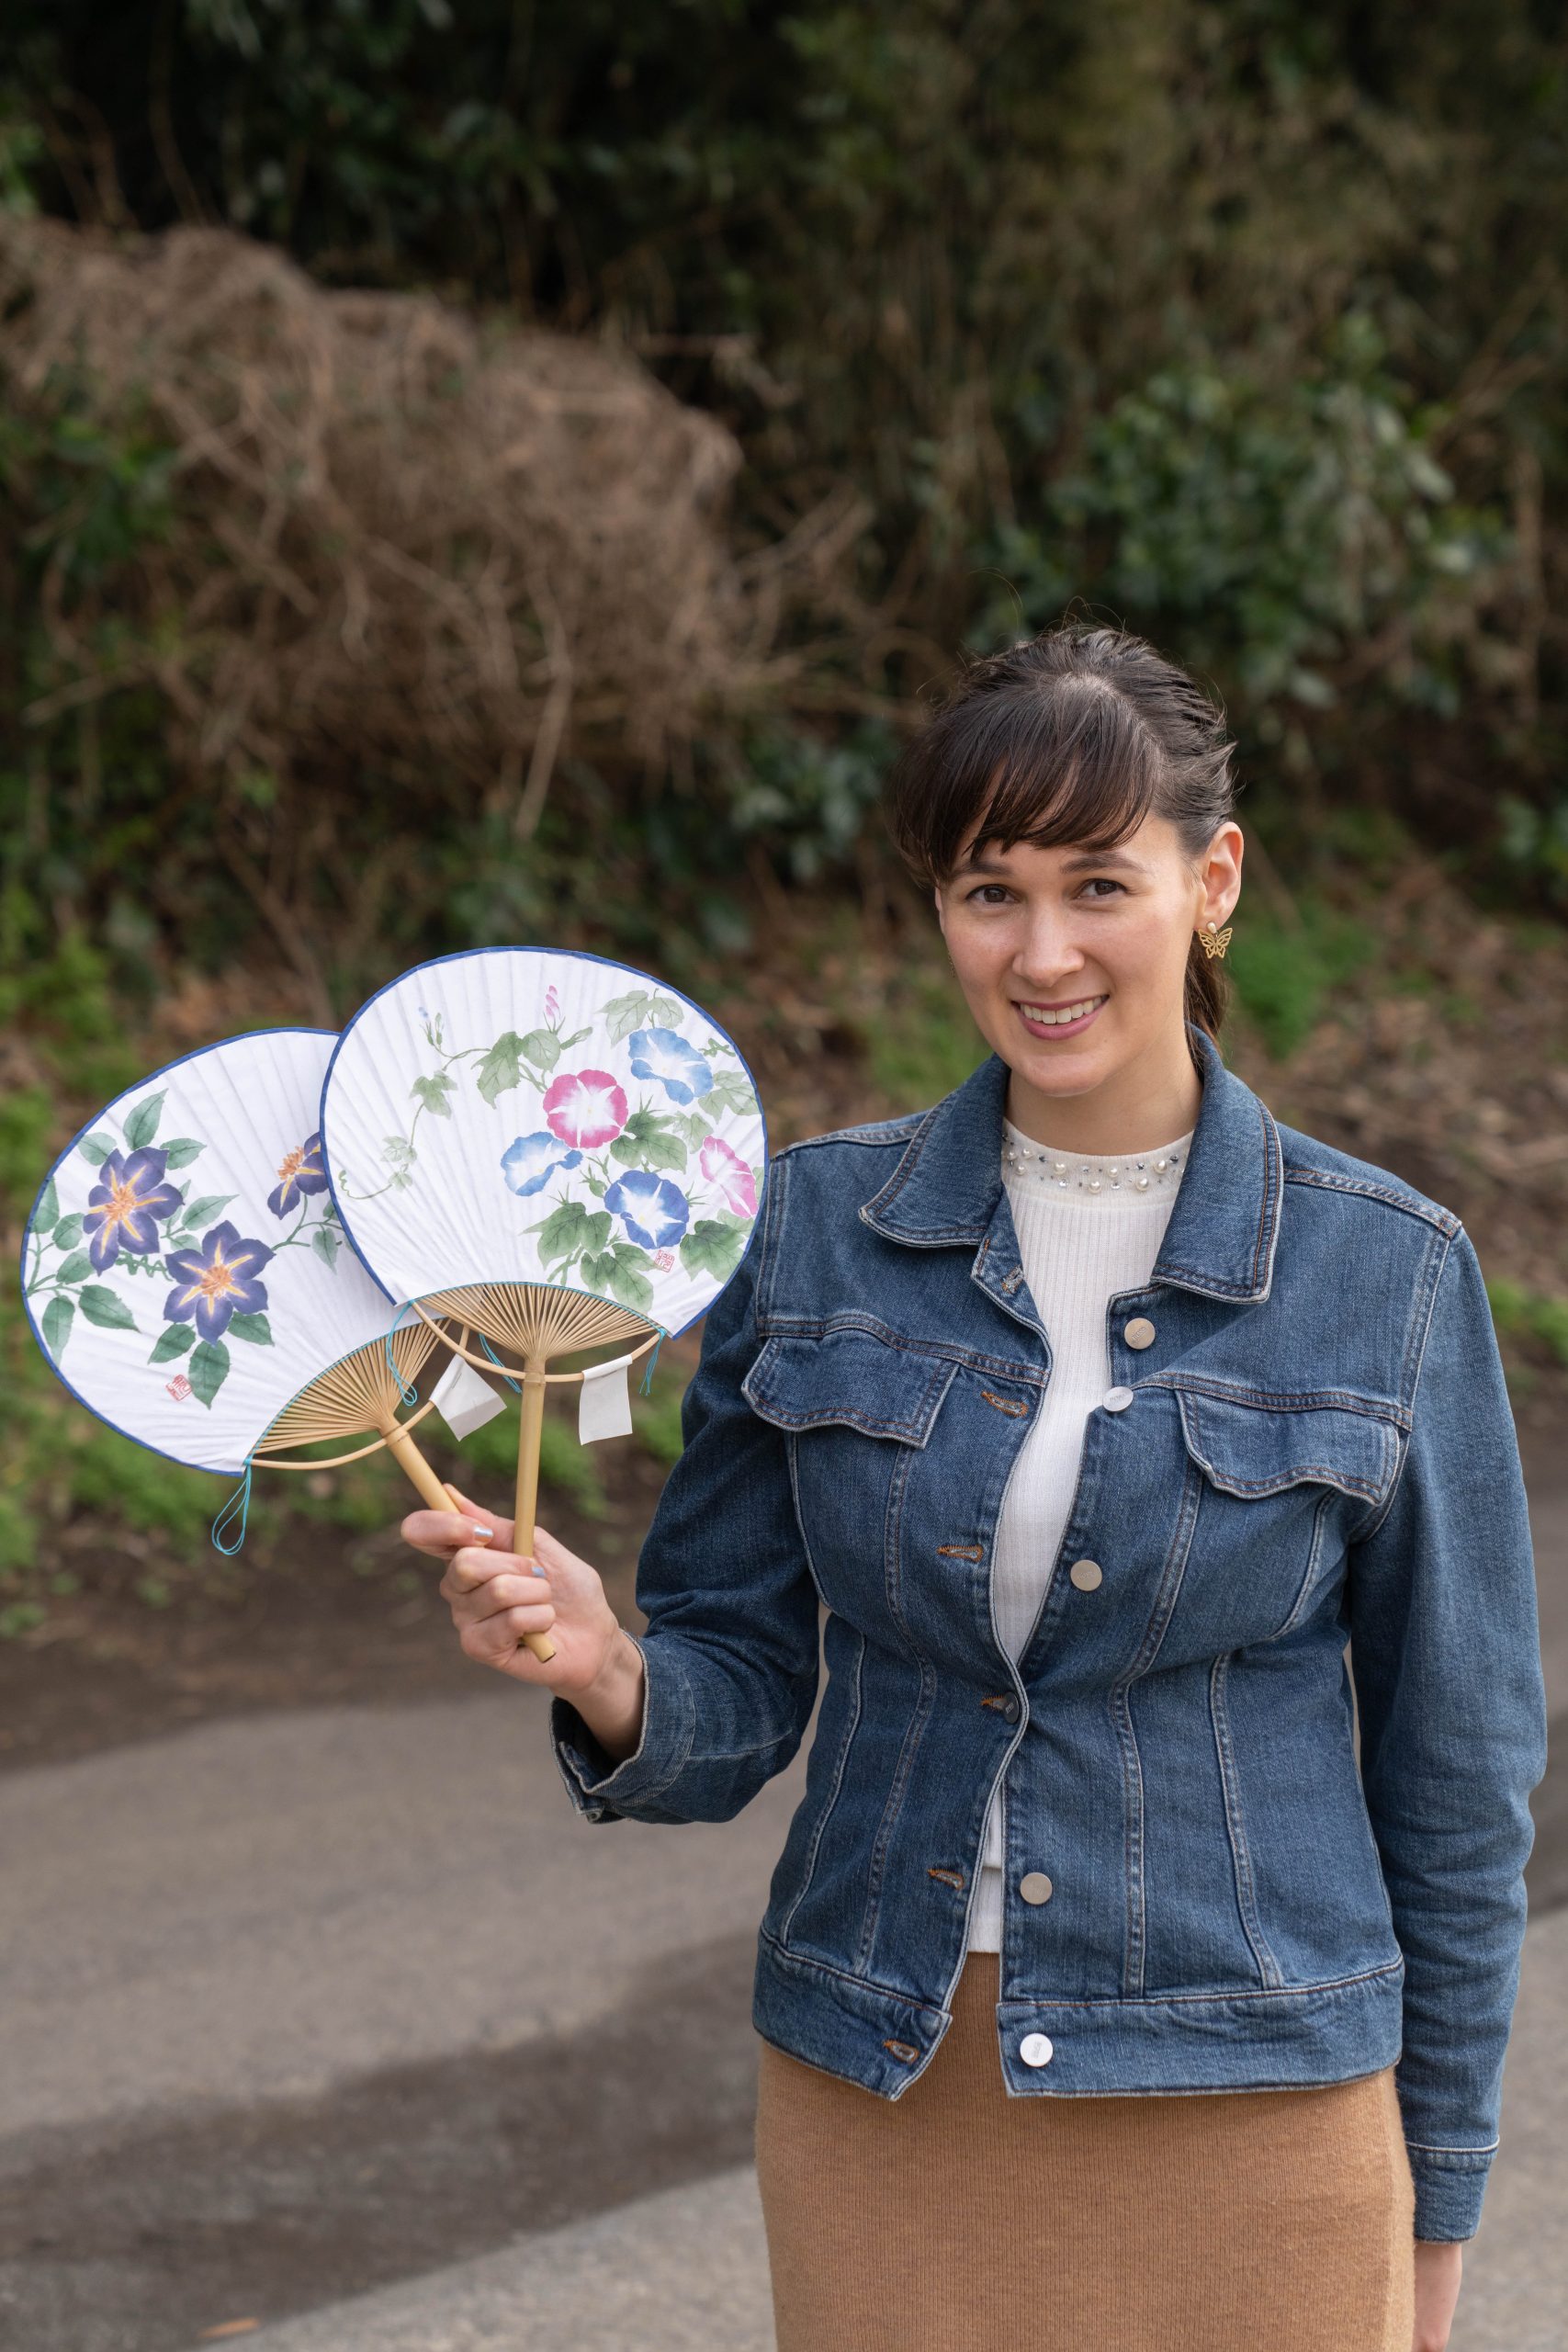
903	2050
961	1551
948	1878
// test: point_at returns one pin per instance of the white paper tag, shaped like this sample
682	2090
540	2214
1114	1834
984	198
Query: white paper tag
605	1408
465	1400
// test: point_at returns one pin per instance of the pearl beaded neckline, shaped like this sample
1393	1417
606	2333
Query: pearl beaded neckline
1113	1176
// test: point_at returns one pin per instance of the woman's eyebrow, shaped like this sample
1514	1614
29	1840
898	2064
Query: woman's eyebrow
1074	865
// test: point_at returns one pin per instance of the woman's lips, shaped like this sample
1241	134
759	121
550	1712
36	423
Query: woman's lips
1060	1028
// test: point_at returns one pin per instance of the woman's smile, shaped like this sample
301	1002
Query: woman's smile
1068	1020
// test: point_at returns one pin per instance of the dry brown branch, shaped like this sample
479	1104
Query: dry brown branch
402	542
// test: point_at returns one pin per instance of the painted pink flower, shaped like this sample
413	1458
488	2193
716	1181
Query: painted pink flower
552	1003
729	1173
586	1108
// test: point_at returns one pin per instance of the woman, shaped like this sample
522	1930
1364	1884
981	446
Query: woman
1103	2000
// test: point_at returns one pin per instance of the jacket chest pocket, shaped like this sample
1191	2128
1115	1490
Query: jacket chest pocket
859	1410
1282	1489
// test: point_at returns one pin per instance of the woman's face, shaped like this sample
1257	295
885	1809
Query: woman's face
1073	961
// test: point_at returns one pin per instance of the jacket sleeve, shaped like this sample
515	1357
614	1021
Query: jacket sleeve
731	1650
1445	1654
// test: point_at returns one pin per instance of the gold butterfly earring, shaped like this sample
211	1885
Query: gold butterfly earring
1216	941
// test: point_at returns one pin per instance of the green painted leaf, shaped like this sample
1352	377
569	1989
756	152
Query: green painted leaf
103	1307
433	1092
172	1340
596	1267
502	1067
255	1328
326	1243
598	1187
96	1148
571	1228
576	1039
666	1013
627	1283
542	1047
183	1150
76	1269
205	1211
57	1318
649	1141
712	1249
624	1014
142	1125
208	1369
48	1209
68	1233
731	1091
697	1126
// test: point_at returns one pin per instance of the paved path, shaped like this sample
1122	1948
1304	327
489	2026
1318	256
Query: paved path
343	2013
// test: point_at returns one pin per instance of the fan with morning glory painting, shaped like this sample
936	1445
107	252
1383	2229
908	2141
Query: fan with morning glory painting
560	1150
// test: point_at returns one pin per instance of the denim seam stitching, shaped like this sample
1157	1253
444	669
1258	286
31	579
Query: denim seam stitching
819	1832
1269	1968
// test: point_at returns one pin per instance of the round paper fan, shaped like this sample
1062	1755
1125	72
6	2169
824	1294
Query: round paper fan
184	1272
555	1149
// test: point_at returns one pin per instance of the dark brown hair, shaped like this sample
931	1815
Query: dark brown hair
1070	738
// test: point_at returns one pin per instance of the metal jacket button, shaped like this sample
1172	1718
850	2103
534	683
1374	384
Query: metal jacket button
1034	1887
1116	1401
1086	1575
1036	2049
1139	1332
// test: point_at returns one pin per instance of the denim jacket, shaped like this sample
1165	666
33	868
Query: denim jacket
1316	1448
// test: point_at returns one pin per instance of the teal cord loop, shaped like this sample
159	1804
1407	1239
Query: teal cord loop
408	1396
499	1365
239	1500
646	1382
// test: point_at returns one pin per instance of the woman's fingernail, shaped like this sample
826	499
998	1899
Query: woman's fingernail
485	1531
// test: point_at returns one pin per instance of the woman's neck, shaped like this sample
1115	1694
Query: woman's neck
1124	1114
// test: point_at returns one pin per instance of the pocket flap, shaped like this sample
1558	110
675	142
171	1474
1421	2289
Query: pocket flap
867	1383
1260	1449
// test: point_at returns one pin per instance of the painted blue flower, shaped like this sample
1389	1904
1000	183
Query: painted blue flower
127	1205
217	1281
300	1173
653	1210
531	1161
679	1070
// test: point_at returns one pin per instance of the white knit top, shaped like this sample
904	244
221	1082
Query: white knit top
1089	1223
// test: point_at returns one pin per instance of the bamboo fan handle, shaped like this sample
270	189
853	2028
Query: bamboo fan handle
442	1497
530	1431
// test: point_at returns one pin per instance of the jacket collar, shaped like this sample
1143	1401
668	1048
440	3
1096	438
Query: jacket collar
1224	1221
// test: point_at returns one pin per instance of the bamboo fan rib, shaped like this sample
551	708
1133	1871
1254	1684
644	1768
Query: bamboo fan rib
358	1393
537	1321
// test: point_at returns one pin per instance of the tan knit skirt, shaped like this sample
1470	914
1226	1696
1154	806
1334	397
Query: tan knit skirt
959	2219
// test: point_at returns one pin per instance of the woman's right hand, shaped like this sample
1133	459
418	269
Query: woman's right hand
495	1598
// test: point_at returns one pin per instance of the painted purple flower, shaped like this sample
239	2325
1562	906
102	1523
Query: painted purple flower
217	1281
679	1070
652	1209
128	1202
531	1161
301	1173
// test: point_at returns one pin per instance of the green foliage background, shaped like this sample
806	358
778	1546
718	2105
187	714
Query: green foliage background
1242	324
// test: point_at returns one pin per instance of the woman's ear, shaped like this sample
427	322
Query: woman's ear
940	920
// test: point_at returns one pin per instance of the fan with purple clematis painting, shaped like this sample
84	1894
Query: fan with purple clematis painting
185	1272
560	1150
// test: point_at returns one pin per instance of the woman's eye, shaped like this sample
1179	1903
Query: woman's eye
982	893
1106	879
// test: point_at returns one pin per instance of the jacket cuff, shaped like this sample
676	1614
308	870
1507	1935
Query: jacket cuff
602	1790
1450	2184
